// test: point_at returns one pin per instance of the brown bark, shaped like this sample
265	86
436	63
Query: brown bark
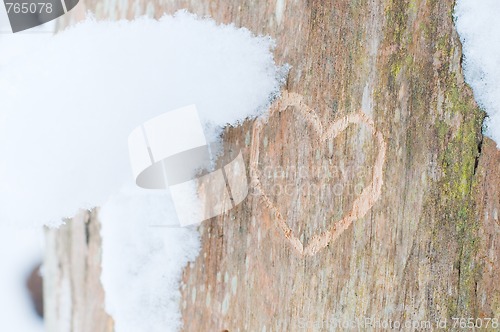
74	298
428	247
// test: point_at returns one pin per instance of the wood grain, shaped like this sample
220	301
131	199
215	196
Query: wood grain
428	248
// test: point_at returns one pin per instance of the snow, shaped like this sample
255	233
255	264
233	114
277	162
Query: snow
142	264
13	46
20	252
230	75
67	108
479	29
68	103
20	247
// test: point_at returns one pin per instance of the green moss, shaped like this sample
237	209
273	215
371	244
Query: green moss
412	6
396	69
450	207
455	201
397	14
443	46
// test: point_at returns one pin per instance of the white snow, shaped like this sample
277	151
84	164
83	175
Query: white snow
13	46
66	111
479	29
142	265
20	247
20	252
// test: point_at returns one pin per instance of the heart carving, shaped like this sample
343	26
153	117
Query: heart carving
362	204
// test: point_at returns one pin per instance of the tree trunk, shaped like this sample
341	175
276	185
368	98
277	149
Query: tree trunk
421	247
74	299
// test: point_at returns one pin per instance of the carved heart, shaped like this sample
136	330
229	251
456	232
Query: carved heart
362	204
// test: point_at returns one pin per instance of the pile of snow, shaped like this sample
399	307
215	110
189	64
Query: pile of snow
142	265
479	28
67	110
65	116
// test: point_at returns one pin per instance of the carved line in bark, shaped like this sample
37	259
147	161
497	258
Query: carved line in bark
361	206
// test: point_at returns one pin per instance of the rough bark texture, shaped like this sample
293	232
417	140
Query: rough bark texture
74	298
429	247
488	209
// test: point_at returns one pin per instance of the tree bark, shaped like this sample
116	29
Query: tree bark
74	299
426	251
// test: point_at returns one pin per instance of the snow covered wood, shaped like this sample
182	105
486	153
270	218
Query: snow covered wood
428	248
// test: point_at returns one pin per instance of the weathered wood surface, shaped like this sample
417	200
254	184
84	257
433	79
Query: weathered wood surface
488	211
428	249
74	299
